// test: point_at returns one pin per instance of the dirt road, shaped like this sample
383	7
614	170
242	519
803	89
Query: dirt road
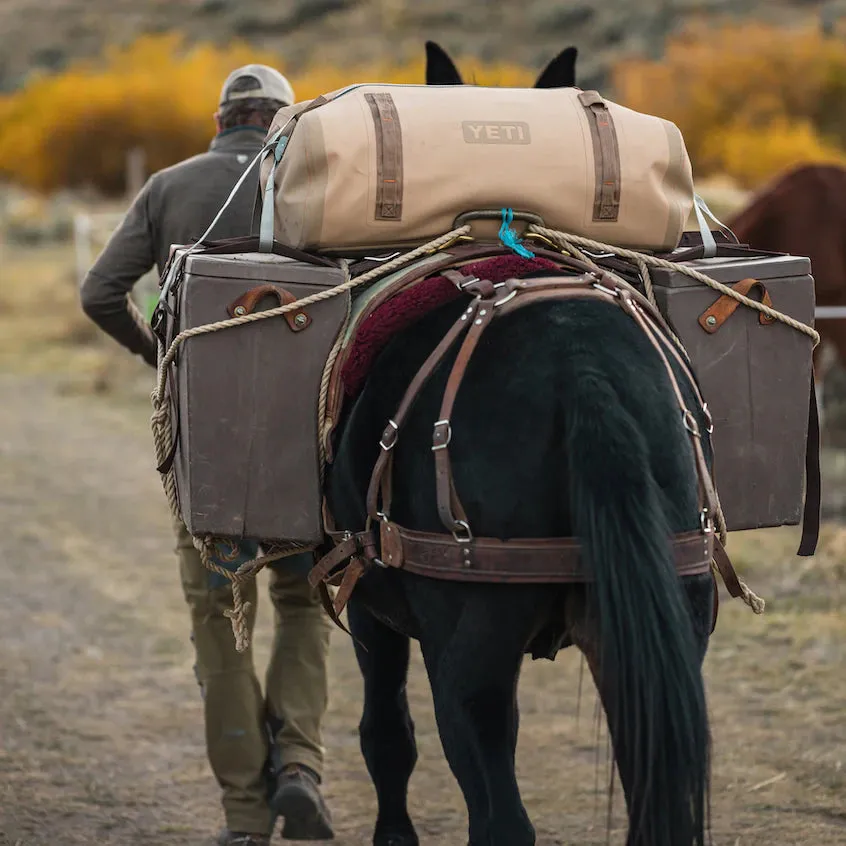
100	723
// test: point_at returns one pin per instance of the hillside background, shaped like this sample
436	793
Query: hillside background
45	35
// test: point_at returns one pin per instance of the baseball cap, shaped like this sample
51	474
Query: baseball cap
256	81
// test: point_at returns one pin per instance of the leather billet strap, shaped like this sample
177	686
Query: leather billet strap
343	565
724	566
351	546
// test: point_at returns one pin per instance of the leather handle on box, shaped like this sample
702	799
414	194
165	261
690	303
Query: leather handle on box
714	317
247	302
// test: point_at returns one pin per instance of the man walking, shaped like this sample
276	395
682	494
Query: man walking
266	752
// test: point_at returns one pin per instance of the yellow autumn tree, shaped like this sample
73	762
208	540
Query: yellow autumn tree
750	99
74	129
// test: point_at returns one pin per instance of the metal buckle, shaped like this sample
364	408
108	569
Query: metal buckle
378	561
709	420
383	258
467	537
468	282
536	236
388	447
690	423
157	318
447	437
505	299
449	244
610	291
705	522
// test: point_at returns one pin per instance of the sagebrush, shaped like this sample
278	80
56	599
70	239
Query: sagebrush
751	100
73	130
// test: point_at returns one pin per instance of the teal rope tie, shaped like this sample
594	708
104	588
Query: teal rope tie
509	238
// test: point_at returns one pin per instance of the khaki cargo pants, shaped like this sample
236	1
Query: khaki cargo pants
236	712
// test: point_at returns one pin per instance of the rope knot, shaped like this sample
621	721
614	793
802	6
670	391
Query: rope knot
509	237
755	602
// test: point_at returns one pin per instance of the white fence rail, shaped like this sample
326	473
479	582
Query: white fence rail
830	312
91	231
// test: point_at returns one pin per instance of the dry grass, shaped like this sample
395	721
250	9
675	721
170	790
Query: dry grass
43	329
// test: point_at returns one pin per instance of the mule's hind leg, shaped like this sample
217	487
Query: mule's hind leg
386	730
624	735
473	660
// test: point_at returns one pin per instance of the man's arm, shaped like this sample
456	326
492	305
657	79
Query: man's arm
128	255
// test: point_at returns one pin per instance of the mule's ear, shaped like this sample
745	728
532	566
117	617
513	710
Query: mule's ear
440	69
560	72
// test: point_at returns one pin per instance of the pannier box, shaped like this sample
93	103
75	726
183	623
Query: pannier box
755	376
246	398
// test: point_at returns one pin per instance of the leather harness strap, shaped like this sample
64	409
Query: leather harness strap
450	509
459	556
723	564
707	493
525	560
389	435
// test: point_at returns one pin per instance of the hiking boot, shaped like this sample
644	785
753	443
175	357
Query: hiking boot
299	801
241	838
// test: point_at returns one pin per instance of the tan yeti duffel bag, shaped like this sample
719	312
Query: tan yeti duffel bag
378	166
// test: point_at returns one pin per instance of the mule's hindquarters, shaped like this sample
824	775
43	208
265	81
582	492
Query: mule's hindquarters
565	425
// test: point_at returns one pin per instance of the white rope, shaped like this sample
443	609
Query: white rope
645	260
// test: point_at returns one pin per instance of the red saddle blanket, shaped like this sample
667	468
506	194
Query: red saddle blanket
411	304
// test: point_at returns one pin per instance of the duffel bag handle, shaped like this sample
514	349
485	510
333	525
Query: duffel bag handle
276	147
266	226
496	214
703	214
178	260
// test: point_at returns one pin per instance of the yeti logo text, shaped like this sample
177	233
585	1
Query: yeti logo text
476	132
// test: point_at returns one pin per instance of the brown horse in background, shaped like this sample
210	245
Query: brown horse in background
803	212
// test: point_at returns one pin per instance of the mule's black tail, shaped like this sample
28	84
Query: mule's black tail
652	685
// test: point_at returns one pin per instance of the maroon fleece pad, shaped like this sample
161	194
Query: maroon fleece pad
410	305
